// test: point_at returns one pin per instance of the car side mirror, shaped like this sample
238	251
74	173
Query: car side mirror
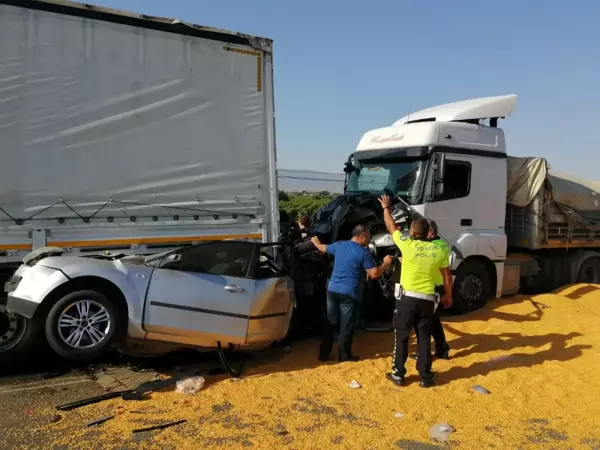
173	260
175	257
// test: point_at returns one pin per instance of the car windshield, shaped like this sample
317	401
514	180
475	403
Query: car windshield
404	178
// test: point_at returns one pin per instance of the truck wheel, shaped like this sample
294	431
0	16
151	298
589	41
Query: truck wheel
82	325
471	288
589	272
18	336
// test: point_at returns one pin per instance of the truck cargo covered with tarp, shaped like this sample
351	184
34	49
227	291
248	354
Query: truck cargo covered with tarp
129	129
546	209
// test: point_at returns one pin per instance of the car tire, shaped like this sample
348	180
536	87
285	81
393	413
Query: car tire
20	338
74	333
471	288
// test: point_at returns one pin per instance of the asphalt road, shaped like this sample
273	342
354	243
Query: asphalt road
30	393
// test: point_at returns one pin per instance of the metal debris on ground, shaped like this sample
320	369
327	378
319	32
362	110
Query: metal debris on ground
145	388
91	400
441	432
190	385
399	415
354	384
100	421
159	427
480	389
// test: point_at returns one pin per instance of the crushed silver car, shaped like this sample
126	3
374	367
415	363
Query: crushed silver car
228	293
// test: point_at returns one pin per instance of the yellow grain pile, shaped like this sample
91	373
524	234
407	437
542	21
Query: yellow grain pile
539	359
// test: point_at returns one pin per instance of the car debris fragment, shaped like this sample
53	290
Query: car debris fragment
354	384
150	386
441	432
159	427
480	389
100	421
190	385
91	400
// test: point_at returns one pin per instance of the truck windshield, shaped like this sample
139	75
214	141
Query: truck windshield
404	178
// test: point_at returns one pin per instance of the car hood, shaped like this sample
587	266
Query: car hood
58	262
335	220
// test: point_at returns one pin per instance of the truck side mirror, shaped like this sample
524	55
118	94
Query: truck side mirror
439	167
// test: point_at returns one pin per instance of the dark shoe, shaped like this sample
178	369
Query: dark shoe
397	380
323	357
351	358
426	382
445	354
414	356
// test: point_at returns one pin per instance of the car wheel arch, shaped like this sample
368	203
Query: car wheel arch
94	283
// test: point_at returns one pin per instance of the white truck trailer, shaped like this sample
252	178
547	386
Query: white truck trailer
512	223
127	133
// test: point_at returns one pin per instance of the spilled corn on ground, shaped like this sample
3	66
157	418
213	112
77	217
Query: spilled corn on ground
538	356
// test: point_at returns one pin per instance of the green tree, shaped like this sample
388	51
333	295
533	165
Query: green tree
299	204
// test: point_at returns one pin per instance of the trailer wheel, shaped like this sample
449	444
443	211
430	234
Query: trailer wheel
18	336
589	272
471	288
82	325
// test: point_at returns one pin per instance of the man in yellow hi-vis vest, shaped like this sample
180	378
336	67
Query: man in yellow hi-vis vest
416	297
442	349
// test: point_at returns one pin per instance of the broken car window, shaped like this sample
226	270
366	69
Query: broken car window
222	258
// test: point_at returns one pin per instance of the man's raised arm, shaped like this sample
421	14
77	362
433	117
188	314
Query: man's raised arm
386	204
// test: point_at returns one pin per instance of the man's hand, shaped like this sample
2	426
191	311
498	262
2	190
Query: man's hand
386	204
388	260
447	301
317	243
385	201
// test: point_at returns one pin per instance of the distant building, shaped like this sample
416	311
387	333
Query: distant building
310	181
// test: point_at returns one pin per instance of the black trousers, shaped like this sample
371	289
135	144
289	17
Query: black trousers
437	330
341	316
413	313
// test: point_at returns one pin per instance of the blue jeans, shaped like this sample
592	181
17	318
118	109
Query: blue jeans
342	311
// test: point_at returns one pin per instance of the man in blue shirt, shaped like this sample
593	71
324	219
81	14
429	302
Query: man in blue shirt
351	260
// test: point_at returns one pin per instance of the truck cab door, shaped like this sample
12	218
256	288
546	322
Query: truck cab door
449	200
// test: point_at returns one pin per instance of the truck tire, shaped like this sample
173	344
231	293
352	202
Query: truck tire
18	338
82	325
589	272
471	288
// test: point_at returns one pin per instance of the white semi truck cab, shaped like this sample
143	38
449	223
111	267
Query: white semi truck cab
450	164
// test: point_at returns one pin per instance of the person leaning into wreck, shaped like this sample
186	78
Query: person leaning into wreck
344	293
416	299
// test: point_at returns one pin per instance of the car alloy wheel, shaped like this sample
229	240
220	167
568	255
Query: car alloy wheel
84	324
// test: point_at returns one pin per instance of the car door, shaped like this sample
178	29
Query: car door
204	295
273	303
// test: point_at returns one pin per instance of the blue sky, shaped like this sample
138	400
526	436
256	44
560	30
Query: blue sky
343	67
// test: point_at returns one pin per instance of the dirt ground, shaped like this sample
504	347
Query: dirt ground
538	357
